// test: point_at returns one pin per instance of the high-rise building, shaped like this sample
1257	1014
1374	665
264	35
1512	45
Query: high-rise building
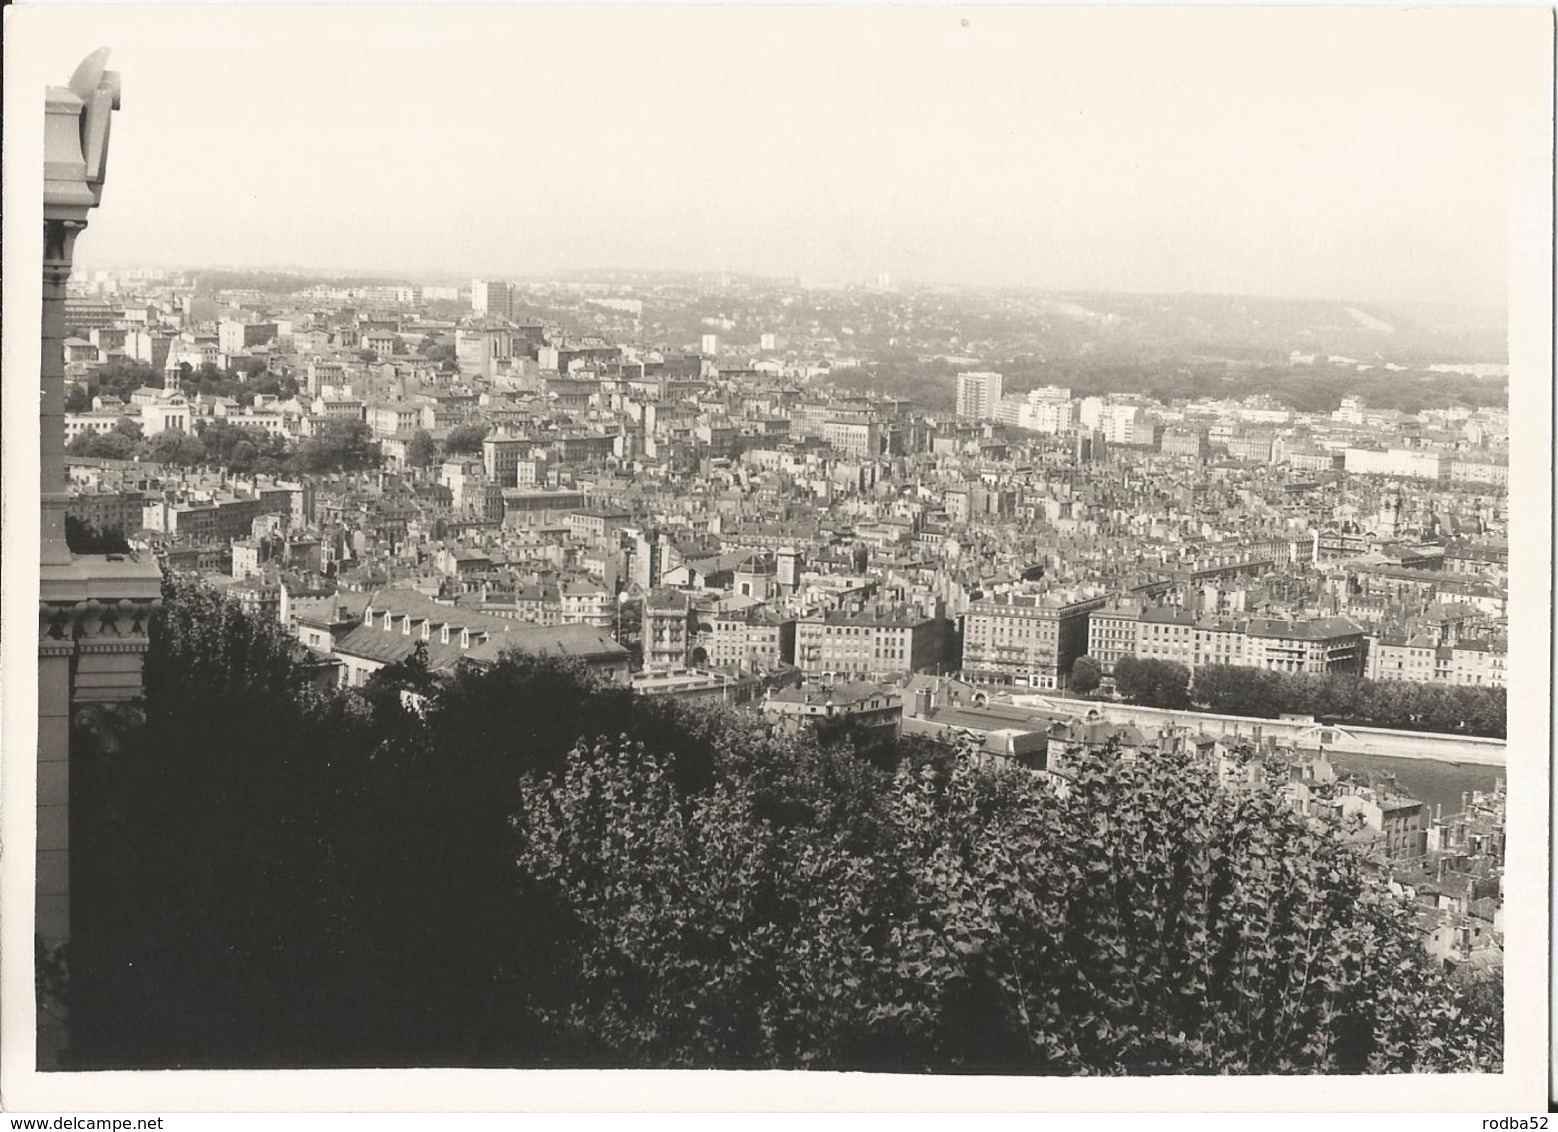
978	395
1352	411
493	299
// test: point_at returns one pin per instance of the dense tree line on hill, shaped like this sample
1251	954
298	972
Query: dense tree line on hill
1335	697
521	866
931	383
465	439
122	442
340	445
421	449
442	352
243	385
1307	389
120	377
1401	704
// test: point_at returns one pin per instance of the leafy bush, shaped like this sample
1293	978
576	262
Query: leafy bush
538	869
1407	705
1157	683
1086	675
1144	920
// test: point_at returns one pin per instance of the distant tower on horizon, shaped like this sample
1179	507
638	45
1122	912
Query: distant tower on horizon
978	394
492	298
709	345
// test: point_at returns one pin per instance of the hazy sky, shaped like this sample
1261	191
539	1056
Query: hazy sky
1326	153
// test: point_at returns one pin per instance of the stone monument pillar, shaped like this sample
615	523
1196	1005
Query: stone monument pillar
93	610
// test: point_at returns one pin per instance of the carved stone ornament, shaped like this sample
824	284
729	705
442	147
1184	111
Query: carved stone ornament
94	620
106	725
59	241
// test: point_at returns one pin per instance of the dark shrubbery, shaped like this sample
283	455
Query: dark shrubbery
86	538
1411	706
1159	683
529	868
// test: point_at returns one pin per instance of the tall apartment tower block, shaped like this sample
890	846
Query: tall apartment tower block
492	298
978	395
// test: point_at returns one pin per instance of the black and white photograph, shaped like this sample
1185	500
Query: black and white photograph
939	554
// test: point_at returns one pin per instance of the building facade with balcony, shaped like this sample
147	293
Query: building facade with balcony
1027	640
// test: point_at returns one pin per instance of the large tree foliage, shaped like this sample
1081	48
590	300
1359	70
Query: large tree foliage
340	445
83	537
1086	674
1157	683
230	444
421	449
465	438
217	879
216	441
122	442
175	447
1311	389
1410	705
732	928
1145	920
121	376
525	866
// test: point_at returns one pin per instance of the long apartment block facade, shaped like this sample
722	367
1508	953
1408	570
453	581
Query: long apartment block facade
1317	645
870	644
1421	658
1026	640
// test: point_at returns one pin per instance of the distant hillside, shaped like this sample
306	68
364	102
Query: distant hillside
1019	322
1269	329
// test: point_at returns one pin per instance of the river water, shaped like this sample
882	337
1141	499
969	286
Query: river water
1434	782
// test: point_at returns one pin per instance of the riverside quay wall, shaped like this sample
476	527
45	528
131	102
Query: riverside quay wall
1301	731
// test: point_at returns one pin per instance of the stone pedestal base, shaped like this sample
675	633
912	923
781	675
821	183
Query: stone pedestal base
93	616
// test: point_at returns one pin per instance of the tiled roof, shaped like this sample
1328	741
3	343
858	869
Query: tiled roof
581	642
371	643
1315	629
840	695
